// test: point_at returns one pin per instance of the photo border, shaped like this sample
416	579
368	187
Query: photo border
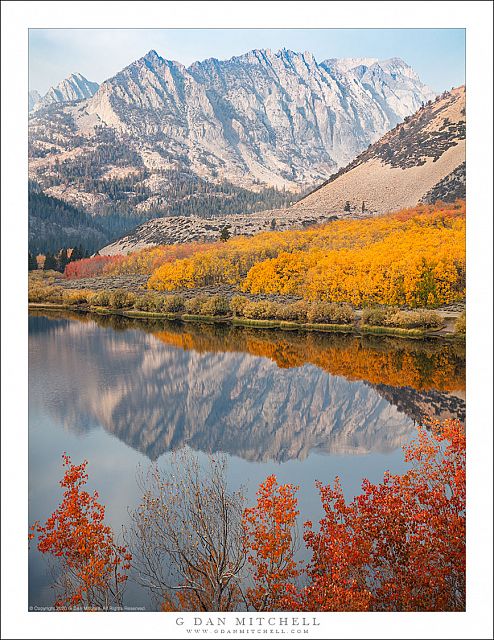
17	17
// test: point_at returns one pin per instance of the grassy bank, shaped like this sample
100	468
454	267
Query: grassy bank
393	331
356	328
241	310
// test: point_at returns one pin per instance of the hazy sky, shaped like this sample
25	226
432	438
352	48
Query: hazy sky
437	55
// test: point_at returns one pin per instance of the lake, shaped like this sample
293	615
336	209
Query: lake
122	393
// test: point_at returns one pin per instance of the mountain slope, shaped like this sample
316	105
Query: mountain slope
422	159
33	98
259	120
54	224
75	87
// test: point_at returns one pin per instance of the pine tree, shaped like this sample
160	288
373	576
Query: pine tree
76	254
62	260
50	262
32	262
225	233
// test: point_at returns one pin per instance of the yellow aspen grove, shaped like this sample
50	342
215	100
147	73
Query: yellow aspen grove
415	257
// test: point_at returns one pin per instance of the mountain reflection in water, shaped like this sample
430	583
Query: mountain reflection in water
259	395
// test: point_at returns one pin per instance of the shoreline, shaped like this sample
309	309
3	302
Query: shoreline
354	328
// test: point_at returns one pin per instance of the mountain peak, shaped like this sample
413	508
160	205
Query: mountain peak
255	55
266	118
74	87
347	64
398	66
152	54
398	62
79	78
34	97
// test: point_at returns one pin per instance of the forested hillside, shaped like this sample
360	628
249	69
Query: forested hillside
54	224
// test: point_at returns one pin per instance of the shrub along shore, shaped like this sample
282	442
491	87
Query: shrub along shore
302	314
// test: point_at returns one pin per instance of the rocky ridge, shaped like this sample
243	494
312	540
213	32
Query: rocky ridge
75	87
422	159
280	120
179	229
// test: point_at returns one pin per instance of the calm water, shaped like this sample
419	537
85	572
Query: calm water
306	407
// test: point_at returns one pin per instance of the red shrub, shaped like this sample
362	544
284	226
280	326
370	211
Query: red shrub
89	267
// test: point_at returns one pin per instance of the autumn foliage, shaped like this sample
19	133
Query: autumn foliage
89	267
144	261
92	566
415	257
271	545
148	260
398	546
392	260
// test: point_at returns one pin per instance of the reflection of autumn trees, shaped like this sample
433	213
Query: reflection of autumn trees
415	257
395	362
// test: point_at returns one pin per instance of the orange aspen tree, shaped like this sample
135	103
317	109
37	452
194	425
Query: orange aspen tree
92	569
